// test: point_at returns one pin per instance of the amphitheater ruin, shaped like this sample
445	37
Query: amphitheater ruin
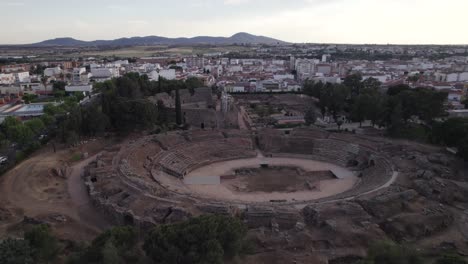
169	177
302	189
303	192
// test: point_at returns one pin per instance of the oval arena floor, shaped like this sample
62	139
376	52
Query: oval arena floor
208	181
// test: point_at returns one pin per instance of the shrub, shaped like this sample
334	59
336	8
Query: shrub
206	239
15	251
450	259
45	247
386	252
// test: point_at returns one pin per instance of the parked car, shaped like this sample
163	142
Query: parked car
3	160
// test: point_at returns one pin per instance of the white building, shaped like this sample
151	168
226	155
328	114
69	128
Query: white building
458	113
325	69
236	88
328	79
278	62
120	63
455	95
195	62
103	73
168	74
452	77
10	89
76	74
50	72
326	57
79	88
235	68
463	77
7	78
381	78
281	77
22	77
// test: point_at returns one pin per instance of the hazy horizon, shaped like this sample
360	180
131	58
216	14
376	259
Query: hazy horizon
299	21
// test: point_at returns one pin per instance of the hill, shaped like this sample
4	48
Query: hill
239	38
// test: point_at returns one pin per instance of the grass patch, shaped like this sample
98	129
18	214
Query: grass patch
76	157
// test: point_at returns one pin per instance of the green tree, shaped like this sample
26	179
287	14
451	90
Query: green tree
59	85
362	108
396	120
20	134
430	104
162	112
29	97
314	89
408	100
354	83
397	89
117	245
37	69
52	109
178	106
15	251
336	100
95	121
36	125
10	121
310	116
45	247
206	239
192	83
371	84
450	259
377	109
59	94
463	148
414	78
450	132
390	253
44	81
110	254
465	102
48	119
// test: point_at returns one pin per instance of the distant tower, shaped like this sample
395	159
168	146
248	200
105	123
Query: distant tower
225	102
292	63
326	57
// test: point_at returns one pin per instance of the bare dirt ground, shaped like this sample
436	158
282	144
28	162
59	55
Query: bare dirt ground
48	188
276	179
224	192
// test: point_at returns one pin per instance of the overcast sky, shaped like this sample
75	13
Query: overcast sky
318	21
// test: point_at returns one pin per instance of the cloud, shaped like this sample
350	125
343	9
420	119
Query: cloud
138	22
235	2
117	7
15	4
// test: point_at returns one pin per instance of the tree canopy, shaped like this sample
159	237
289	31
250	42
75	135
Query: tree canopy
206	239
37	246
390	253
365	100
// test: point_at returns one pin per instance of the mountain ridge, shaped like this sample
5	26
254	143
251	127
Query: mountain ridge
239	38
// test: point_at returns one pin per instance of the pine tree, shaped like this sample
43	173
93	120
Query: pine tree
178	108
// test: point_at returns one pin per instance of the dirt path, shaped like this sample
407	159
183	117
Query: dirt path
35	190
80	198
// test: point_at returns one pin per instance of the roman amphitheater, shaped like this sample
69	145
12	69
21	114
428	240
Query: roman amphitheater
172	176
306	194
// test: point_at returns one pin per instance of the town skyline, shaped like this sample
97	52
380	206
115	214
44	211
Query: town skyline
301	21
